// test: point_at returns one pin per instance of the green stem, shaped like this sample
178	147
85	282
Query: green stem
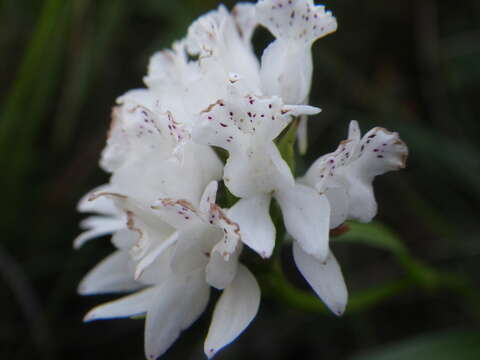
418	276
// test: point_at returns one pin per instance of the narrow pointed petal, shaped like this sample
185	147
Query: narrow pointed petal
96	221
302	135
256	227
306	214
325	278
113	274
98	226
180	301
88	235
100	205
244	17
297	110
234	311
128	306
354	131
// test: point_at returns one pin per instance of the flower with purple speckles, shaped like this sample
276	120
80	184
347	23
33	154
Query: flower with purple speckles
173	242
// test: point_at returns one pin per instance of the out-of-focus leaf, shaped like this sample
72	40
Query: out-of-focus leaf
88	55
374	234
358	301
27	101
379	236
458	345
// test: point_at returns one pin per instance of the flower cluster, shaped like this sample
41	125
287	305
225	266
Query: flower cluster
173	241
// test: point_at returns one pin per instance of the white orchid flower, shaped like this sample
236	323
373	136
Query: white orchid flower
221	42
287	62
287	67
222	48
245	125
346	176
142	154
173	304
173	242
204	252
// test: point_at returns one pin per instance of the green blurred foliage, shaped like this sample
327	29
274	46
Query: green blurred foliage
443	346
410	66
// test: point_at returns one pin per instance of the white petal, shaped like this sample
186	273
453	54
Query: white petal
153	254
219	271
229	242
88	235
260	171
296	20
256	227
297	110
234	311
306	214
180	301
177	213
100	226
134	130
139	96
215	37
378	152
115	152
325	278
362	205
354	131
302	135
160	270
231	122
97	221
168	68
339	205
169	177
124	239
100	205
245	125
111	275
244	16
128	306
151	231
286	71
287	67
193	248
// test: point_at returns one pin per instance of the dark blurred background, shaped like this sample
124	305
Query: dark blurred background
410	66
